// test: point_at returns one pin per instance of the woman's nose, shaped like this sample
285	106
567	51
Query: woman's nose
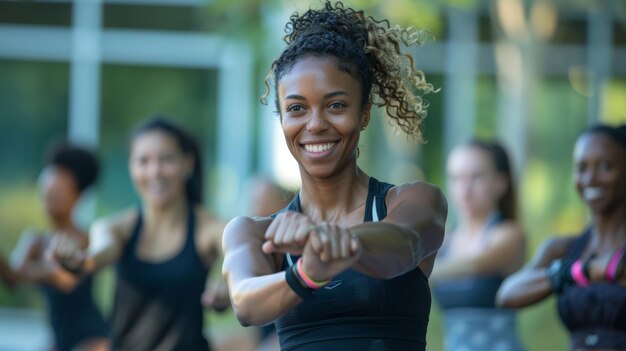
317	122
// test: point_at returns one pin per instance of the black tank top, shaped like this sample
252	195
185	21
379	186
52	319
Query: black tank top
358	312
157	305
595	315
74	317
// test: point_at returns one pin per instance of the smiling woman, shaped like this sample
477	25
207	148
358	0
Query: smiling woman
321	115
586	272
345	265
162	250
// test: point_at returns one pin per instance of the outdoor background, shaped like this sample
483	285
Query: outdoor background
532	74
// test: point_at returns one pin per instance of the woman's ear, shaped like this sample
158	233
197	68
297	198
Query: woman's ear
365	115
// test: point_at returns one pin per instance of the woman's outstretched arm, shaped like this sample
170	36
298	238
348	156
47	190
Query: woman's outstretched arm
531	284
259	293
411	233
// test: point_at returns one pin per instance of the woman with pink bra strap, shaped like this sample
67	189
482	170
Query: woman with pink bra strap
586	272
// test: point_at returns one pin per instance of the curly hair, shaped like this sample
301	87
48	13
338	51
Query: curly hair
368	50
82	163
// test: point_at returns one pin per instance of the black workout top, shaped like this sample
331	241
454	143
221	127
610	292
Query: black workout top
74	317
476	291
157	305
595	315
358	312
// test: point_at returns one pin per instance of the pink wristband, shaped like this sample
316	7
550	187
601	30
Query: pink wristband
310	283
578	275
611	268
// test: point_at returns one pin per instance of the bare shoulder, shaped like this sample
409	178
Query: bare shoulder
119	224
207	220
209	229
418	192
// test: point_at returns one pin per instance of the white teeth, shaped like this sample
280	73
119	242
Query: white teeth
592	193
318	147
156	187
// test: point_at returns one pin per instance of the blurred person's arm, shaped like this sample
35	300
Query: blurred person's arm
209	237
505	254
6	273
107	238
215	295
532	283
30	263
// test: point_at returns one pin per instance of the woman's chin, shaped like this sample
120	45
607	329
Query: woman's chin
158	200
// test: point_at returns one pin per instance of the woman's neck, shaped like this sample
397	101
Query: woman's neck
611	226
331	199
165	216
474	223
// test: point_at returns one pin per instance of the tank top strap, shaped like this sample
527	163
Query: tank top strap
294	205
494	219
576	248
188	248
376	208
130	248
190	242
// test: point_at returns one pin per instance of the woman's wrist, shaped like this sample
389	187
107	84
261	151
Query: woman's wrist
301	283
559	275
309	281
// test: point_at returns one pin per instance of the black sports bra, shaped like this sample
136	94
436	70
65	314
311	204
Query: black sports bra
595	315
358	312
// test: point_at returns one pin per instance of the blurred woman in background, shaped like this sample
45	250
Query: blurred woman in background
484	247
76	322
163	249
586	272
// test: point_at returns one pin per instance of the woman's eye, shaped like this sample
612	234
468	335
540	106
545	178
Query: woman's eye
605	166
295	108
337	105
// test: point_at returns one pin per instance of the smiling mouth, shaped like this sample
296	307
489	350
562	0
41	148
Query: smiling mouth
156	188
318	148
592	193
